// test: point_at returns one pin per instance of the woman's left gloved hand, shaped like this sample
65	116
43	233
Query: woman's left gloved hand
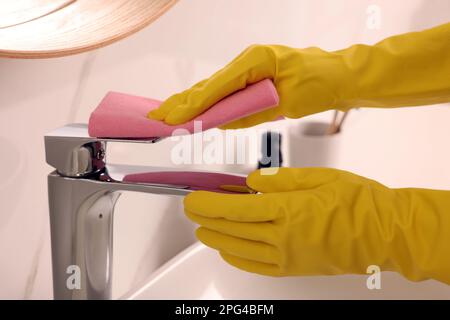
320	221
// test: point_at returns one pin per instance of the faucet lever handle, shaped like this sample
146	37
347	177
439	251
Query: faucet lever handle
73	153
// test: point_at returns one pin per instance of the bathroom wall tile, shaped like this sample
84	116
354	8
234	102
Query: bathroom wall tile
35	97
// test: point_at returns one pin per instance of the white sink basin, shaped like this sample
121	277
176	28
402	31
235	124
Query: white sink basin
200	273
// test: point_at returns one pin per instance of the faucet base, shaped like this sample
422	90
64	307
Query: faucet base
81	217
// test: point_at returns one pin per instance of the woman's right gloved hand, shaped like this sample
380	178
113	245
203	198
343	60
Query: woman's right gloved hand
322	221
405	70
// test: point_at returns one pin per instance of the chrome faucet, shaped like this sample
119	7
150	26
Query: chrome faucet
82	193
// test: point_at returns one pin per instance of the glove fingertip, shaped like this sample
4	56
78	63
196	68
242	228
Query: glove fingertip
179	115
250	266
193	198
262	180
199	233
156	114
191	216
254	180
207	237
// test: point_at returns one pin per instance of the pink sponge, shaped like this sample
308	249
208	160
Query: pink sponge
208	181
121	115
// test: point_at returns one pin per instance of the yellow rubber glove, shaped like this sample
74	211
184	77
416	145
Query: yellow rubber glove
405	70
321	221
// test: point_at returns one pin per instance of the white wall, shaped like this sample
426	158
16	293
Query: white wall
407	147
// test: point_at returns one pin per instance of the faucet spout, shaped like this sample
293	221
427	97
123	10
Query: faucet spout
81	220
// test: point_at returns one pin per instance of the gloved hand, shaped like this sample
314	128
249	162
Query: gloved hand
320	221
405	70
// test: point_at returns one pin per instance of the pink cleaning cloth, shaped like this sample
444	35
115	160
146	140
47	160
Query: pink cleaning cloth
208	181
121	115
